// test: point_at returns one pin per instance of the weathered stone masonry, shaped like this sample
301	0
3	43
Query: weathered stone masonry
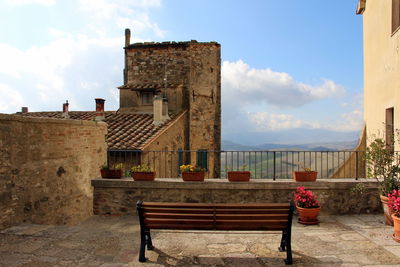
45	169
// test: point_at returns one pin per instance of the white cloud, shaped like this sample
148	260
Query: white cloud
122	14
10	98
30	2
264	121
276	88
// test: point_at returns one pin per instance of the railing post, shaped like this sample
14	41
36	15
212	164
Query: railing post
356	165
274	166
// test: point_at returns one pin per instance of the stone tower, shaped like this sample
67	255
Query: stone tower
182	77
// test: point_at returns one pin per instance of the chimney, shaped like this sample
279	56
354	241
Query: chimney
24	110
160	110
100	114
65	110
127	37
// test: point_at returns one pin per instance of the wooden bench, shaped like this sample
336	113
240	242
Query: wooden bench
202	216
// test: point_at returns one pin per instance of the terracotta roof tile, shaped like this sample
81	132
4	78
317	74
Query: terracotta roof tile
125	131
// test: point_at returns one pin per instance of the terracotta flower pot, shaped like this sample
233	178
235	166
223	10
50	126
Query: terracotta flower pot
386	210
396	223
193	176
239	176
305	176
111	174
143	176
308	215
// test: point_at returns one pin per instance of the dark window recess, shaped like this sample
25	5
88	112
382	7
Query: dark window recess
389	122
202	161
147	98
395	15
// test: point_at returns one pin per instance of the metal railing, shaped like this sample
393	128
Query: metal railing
262	164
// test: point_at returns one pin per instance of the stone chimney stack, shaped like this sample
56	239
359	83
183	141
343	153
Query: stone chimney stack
100	114
65	110
160	110
127	37
24	110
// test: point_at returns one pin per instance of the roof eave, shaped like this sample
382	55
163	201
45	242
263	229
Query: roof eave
361	7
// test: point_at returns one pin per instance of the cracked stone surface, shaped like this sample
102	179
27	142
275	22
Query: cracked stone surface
112	241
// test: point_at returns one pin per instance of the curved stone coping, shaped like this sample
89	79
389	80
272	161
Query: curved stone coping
177	183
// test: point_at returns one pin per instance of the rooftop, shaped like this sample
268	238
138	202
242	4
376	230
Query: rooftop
352	240
125	131
169	44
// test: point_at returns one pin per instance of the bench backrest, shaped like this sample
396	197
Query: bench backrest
201	216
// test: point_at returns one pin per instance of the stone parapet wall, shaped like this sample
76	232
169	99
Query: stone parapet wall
120	196
45	169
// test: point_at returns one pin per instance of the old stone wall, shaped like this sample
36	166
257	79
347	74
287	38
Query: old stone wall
45	169
205	102
120	196
165	164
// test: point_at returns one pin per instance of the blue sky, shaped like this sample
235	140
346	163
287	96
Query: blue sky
285	64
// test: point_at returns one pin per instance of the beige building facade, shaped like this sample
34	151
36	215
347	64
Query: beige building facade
381	21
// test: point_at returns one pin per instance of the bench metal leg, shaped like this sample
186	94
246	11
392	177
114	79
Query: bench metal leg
289	259
148	241
142	256
283	241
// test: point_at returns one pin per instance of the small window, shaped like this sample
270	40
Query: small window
202	161
395	15
147	98
389	121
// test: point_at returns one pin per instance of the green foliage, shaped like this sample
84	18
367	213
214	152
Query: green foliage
116	166
382	165
141	168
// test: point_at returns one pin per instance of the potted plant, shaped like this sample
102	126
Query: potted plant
383	166
114	172
307	206
239	176
142	173
192	173
394	206
307	175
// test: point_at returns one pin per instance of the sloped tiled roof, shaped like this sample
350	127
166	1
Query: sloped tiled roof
125	131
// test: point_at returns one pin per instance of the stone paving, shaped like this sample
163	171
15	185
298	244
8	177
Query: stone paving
111	241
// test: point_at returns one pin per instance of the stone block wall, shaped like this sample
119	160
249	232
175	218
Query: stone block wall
120	196
45	169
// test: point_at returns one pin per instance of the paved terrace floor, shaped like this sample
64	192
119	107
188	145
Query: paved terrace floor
111	241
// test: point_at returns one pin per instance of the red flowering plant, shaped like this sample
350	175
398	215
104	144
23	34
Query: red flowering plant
394	202
305	198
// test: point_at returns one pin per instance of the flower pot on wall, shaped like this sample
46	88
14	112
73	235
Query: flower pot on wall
396	224
386	210
302	176
111	174
143	176
239	176
308	215
193	176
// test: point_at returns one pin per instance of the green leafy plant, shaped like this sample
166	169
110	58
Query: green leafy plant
116	166
190	168
382	165
141	168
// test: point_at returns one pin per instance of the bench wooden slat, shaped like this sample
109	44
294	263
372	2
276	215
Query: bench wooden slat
221	206
181	226
175	221
217	211
178	216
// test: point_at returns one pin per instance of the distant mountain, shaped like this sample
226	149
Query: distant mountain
290	137
332	146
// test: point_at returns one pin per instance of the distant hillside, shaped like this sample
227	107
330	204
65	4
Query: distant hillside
331	146
315	137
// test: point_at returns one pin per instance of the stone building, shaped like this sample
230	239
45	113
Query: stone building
170	101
